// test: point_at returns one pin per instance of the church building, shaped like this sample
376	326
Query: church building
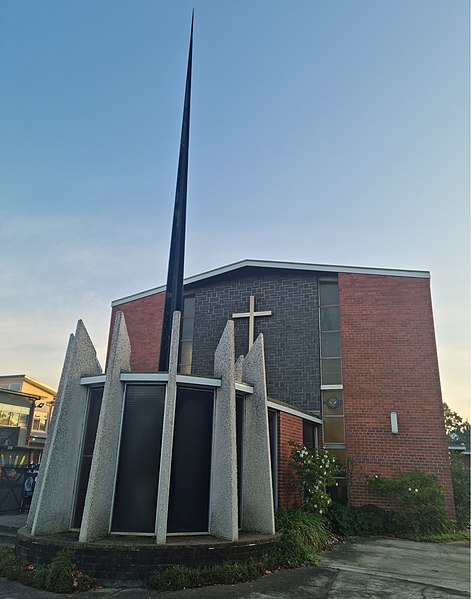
186	430
351	361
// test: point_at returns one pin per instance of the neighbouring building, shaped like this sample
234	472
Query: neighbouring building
26	407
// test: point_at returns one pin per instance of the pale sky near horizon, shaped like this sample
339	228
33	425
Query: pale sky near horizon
322	131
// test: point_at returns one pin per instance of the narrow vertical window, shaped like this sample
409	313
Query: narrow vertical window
333	418
186	335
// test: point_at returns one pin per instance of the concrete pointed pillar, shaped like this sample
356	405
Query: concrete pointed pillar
238	368
223	518
257	491
168	425
52	426
99	498
53	500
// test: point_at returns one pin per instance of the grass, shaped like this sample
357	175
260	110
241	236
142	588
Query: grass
448	537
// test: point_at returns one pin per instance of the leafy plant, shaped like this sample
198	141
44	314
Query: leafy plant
418	498
362	521
460	478
304	536
457	429
315	470
61	576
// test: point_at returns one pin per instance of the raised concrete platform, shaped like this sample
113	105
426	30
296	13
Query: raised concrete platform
124	561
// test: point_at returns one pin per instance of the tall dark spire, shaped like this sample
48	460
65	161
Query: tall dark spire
174	292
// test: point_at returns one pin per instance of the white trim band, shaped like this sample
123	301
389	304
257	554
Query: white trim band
93	380
365	270
293	411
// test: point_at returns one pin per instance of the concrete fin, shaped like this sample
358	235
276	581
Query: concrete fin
52	426
167	435
99	498
239	365
257	491
52	508
223	520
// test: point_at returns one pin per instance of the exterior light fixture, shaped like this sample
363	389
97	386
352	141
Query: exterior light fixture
394	427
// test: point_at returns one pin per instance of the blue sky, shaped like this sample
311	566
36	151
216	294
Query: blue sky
323	131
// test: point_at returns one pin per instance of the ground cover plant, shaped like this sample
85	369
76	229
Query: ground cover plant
60	576
303	537
362	521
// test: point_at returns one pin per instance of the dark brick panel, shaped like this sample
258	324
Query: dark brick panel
290	334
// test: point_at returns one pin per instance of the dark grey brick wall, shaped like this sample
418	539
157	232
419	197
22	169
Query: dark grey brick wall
290	334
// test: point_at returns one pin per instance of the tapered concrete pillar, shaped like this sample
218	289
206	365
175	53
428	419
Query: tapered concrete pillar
167	435
223	519
52	426
238	368
257	492
53	500
99	498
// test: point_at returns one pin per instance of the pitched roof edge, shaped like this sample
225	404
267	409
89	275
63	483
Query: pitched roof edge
391	272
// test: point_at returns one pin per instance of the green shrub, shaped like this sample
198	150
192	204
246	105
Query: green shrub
362	521
419	502
304	536
460	478
315	470
61	576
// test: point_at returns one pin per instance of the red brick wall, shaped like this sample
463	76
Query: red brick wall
290	428
389	363
144	323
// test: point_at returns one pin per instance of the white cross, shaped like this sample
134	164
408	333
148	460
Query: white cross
251	314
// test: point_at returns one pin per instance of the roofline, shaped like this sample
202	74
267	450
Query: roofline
30	396
30	379
365	270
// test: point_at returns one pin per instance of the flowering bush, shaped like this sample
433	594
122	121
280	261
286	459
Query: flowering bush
315	469
418	498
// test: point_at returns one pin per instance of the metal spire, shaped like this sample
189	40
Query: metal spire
174	291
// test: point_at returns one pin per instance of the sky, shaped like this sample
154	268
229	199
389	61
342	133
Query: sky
322	131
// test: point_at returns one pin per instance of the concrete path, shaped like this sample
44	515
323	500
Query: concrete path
445	565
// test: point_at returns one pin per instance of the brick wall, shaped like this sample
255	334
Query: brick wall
290	428
389	363
144	323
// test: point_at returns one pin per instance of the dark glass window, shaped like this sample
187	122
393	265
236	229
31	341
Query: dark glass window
331	371
190	478
273	435
330	343
139	459
339	493
330	319
329	293
95	395
186	335
309	434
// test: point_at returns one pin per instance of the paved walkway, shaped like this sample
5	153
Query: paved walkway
361	569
